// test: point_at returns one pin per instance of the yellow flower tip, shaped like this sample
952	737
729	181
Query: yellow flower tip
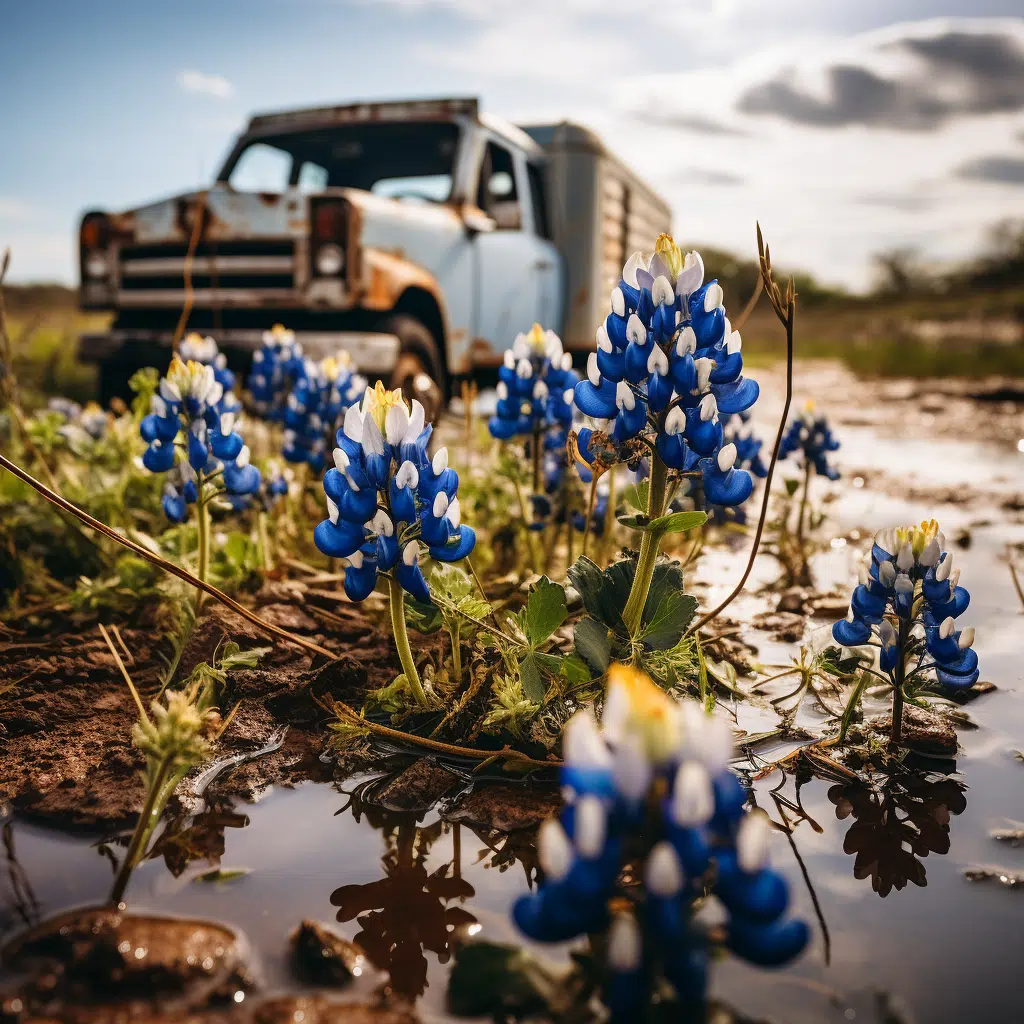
667	249
378	399
537	338
810	406
651	712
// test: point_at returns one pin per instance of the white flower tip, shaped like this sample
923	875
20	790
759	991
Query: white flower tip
243	456
454	513
440	505
664	873
905	558
582	743
631	768
524	369
662	291
619	300
930	555
509	359
411	552
624	944
502	390
439	463
944	568
624	397
332	512
635	330
589	828
687	343
946	627
554	851
635	262
604	343
752	842
708	408
675	421
693	798
713	297
593	370
657	362
727	457
966	638
887	574
734	344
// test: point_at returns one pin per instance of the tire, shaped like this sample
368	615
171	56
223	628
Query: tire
419	370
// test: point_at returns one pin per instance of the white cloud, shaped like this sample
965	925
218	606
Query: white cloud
209	85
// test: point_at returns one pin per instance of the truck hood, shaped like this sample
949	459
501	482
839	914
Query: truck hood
228	214
240	215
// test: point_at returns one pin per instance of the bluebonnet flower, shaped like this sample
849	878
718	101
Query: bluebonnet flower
320	394
276	365
811	436
386	497
534	389
906	605
748	446
650	788
92	419
188	404
197	349
668	364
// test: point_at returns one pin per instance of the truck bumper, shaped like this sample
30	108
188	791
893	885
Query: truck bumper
371	352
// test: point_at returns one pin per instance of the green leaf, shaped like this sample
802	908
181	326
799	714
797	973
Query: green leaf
791	487
534	687
545	611
678	522
637	495
604	592
669	621
667	579
593	643
575	669
635	522
851	705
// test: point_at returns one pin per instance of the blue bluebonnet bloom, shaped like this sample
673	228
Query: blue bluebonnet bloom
535	386
748	446
386	496
907	604
276	366
668	365
650	788
320	394
92	419
811	436
197	349
187	404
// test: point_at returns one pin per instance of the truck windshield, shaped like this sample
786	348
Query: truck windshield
410	160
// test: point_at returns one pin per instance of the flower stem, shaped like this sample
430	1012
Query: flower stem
265	552
203	528
896	732
151	811
456	656
802	517
633	611
397	601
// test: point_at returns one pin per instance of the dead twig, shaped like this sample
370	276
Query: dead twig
785	310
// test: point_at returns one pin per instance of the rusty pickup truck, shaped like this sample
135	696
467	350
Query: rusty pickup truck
420	236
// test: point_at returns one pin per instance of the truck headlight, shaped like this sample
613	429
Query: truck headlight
329	260
96	265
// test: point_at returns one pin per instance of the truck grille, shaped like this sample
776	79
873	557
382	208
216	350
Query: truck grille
260	266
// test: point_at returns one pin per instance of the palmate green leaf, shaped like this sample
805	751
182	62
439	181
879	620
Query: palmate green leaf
666	626
545	611
604	592
678	522
575	669
593	643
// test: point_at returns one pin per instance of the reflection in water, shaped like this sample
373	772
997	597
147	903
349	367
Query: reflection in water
22	903
897	824
198	838
409	910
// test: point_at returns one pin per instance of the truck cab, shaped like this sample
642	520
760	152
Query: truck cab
419	236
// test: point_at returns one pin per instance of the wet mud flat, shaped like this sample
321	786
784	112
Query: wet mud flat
289	851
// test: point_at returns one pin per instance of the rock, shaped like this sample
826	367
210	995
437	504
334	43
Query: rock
287	616
785	626
925	732
323	958
417	788
85	959
507	807
792	600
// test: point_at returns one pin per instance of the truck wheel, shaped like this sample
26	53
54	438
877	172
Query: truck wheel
419	371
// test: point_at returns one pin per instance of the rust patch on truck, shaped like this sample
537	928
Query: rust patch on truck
386	276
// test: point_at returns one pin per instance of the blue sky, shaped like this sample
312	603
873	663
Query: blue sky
846	127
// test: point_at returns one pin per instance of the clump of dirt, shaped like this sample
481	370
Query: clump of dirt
84	963
924	732
506	807
325	959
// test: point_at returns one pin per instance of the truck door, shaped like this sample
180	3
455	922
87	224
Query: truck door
517	269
